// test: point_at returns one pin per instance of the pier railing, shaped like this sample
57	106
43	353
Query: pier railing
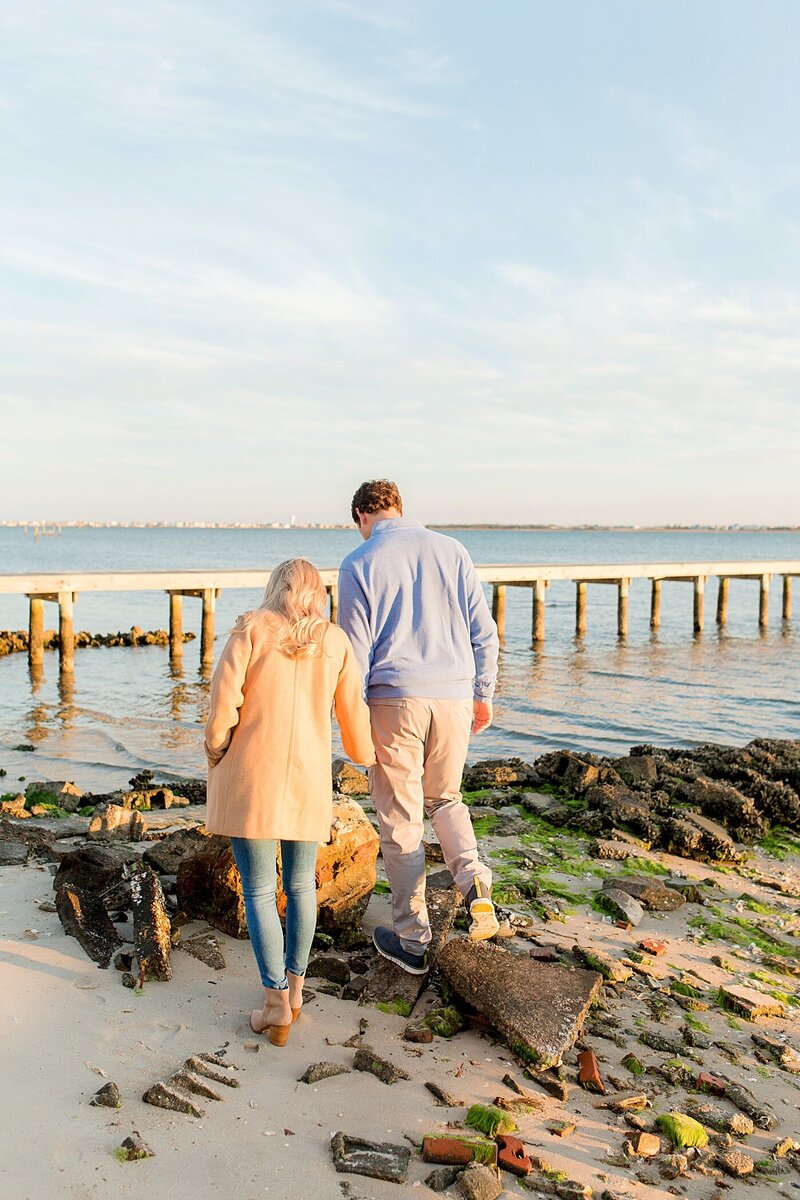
206	585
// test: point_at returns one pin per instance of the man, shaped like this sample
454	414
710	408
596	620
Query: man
413	607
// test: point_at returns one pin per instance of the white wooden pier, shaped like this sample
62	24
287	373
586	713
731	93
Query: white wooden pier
206	585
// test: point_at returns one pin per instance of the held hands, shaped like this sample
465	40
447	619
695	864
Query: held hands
481	715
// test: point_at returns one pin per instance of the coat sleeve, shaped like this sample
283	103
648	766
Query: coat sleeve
227	694
352	712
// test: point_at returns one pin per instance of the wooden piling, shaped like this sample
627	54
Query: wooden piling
655	604
35	631
175	625
207	627
763	602
580	609
539	593
722	601
499	607
699	595
786	611
622	608
333	592
66	631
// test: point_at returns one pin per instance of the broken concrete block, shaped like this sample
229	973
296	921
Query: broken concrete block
479	1183
442	1097
608	848
750	1004
367	1060
151	926
597	960
621	905
538	1010
378	1160
734	1163
107	1097
781	1052
98	871
200	1065
646	1144
651	893
187	1081
13	854
456	1150
84	917
162	1096
549	1083
112	823
440	1179
322	1070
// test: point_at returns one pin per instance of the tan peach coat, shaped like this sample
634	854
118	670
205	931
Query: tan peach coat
268	735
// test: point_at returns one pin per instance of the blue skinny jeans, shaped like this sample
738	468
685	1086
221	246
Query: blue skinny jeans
256	860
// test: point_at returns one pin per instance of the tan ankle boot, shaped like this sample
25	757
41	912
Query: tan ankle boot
275	1018
296	983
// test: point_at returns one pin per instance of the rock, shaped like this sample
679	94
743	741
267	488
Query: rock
123	961
332	969
781	1052
610	849
681	1130
355	988
348	780
621	905
734	1163
715	842
133	1149
322	1070
723	801
367	1060
499	773
650	893
13	854
62	793
188	1081
458	1150
442	1097
744	1099
203	1064
662	1039
160	1095
98	871
419	1034
786	1146
740	1125
597	960
572	772
636	768
84	917
151	926
206	948
107	1097
440	1179
15	807
479	1183
378	1160
127	980
713	1115
750	1004
209	887
167	853
646	1144
116	824
618	805
537	1009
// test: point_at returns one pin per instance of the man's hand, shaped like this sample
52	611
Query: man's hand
481	715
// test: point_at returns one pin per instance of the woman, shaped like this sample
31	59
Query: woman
268	745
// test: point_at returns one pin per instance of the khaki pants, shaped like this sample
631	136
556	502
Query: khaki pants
421	748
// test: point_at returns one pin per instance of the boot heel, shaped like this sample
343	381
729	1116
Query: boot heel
279	1034
296	1013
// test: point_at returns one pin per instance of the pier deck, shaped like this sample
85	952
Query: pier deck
206	584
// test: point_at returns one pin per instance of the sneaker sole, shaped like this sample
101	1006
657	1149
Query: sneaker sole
399	962
484	924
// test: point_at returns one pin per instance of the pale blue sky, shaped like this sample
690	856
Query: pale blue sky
536	261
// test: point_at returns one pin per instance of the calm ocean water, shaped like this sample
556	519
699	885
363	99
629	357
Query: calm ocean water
125	709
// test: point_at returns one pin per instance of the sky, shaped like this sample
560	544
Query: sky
536	262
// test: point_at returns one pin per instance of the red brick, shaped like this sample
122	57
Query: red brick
458	1151
626	925
653	947
511	1155
711	1083
589	1072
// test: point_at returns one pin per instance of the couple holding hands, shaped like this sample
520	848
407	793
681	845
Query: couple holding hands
410	670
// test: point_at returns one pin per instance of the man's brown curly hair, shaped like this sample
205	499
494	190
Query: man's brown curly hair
376	495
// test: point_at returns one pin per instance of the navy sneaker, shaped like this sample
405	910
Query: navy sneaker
388	945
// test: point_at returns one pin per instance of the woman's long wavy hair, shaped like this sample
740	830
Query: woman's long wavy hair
297	595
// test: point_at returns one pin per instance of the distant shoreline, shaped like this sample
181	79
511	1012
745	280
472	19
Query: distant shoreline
48	526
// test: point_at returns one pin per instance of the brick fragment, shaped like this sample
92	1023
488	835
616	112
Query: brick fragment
511	1155
589	1072
652	947
646	1144
458	1151
711	1083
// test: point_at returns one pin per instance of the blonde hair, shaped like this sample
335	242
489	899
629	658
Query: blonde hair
296	594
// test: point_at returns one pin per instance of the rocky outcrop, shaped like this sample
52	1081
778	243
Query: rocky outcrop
15	641
113	823
503	772
84	917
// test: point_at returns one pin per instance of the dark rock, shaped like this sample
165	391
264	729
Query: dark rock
322	1070
537	1009
133	1148
13	854
107	1097
744	1100
123	961
167	853
356	987
508	772
649	892
614	850
127	980
441	1178
621	905
367	1060
332	969
348	780
84	917
572	772
681	837
442	1097
637	769
151	926
618	805
98	871
477	1182
725	802
209	886
206	948
378	1160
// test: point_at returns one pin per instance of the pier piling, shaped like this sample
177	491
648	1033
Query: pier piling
763	602
786	611
66	631
722	601
580	608
499	607
333	592
655	604
539	593
622	607
175	625
207	628
699	596
35	630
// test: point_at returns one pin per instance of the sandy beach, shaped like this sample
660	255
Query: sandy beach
69	1027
